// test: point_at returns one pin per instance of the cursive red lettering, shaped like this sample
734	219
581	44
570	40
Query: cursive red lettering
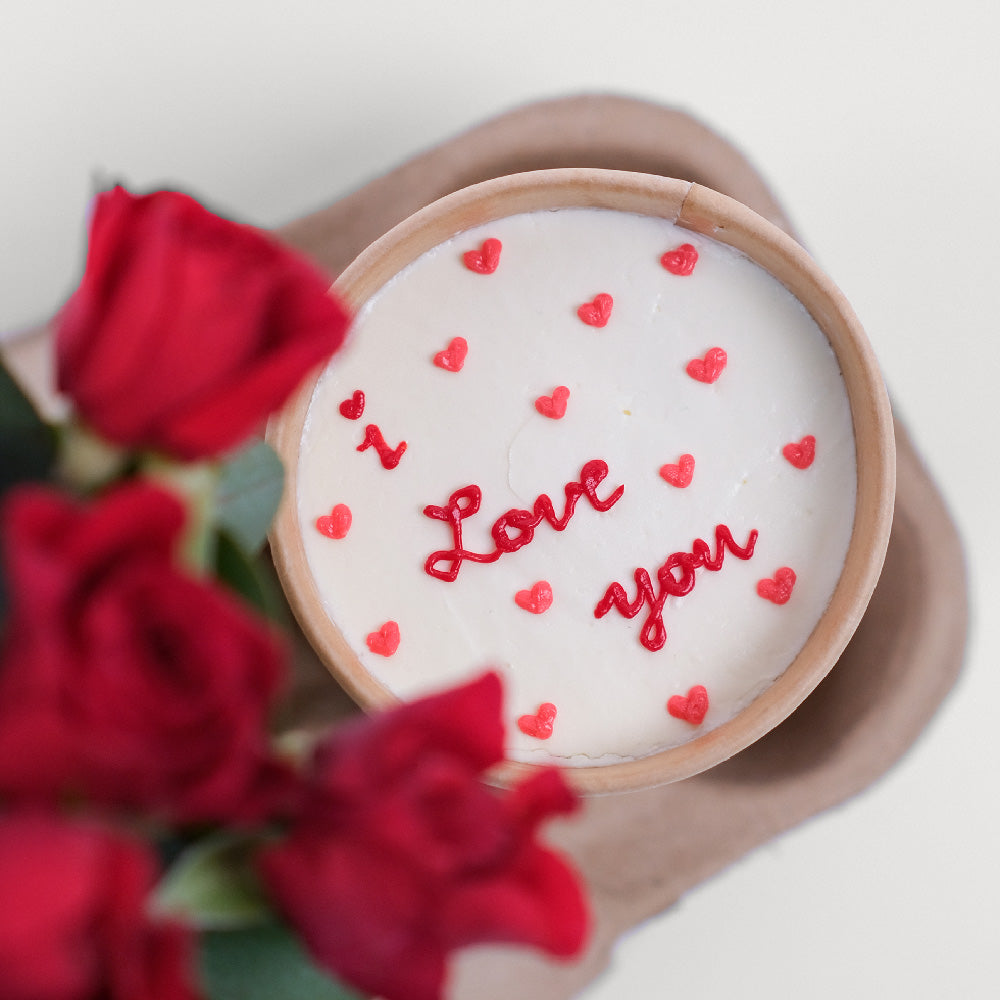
446	563
461	504
389	457
676	577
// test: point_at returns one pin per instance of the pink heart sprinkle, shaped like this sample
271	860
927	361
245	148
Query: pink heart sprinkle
690	708
484	260
801	453
452	358
779	589
538	725
681	260
708	368
385	641
598	312
679	474
337	523
538	600
553	406
353	408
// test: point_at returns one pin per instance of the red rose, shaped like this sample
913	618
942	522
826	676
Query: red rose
188	330
121	678
74	924
402	854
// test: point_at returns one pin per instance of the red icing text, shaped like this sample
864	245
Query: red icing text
654	633
388	456
465	502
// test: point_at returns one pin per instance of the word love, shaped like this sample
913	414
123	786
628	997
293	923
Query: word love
654	634
445	563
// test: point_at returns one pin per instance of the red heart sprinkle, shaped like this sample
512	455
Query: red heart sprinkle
680	260
679	474
337	523
553	406
779	589
802	453
538	600
385	641
485	259
353	408
597	312
692	707
452	358
538	725
708	368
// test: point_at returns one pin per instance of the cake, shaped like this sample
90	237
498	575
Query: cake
608	456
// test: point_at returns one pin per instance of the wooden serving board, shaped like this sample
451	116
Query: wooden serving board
640	851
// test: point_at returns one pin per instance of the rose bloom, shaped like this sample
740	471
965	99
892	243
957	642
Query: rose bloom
187	329
74	922
121	678
402	854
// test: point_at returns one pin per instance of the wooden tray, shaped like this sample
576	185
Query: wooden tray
641	851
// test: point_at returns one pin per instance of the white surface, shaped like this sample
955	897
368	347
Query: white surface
876	124
631	406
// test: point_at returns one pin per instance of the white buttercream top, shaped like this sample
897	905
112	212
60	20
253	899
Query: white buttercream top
690	453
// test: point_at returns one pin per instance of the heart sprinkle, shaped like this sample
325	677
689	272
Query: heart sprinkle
553	406
679	474
538	725
538	600
385	641
353	408
681	260
598	312
337	523
485	259
452	358
708	368
690	708
778	589
801	453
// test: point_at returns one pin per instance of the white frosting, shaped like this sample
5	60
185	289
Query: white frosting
632	405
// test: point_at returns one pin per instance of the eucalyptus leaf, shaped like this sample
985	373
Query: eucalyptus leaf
212	884
264	963
249	492
27	443
246	575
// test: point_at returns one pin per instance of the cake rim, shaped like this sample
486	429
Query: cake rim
715	216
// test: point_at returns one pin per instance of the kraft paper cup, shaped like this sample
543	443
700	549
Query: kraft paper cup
710	214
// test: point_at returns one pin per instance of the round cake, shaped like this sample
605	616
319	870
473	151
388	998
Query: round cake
610	457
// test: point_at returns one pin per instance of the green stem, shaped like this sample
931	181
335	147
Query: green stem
196	484
85	460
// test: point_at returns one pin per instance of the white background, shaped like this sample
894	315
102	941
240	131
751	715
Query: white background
877	125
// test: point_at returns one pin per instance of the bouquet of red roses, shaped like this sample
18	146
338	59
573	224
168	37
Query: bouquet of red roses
156	842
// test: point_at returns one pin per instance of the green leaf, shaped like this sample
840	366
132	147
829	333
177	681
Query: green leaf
212	884
264	963
246	575
27	443
248	495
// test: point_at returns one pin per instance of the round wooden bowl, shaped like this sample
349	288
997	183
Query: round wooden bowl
710	214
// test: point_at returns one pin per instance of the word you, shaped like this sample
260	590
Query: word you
675	578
